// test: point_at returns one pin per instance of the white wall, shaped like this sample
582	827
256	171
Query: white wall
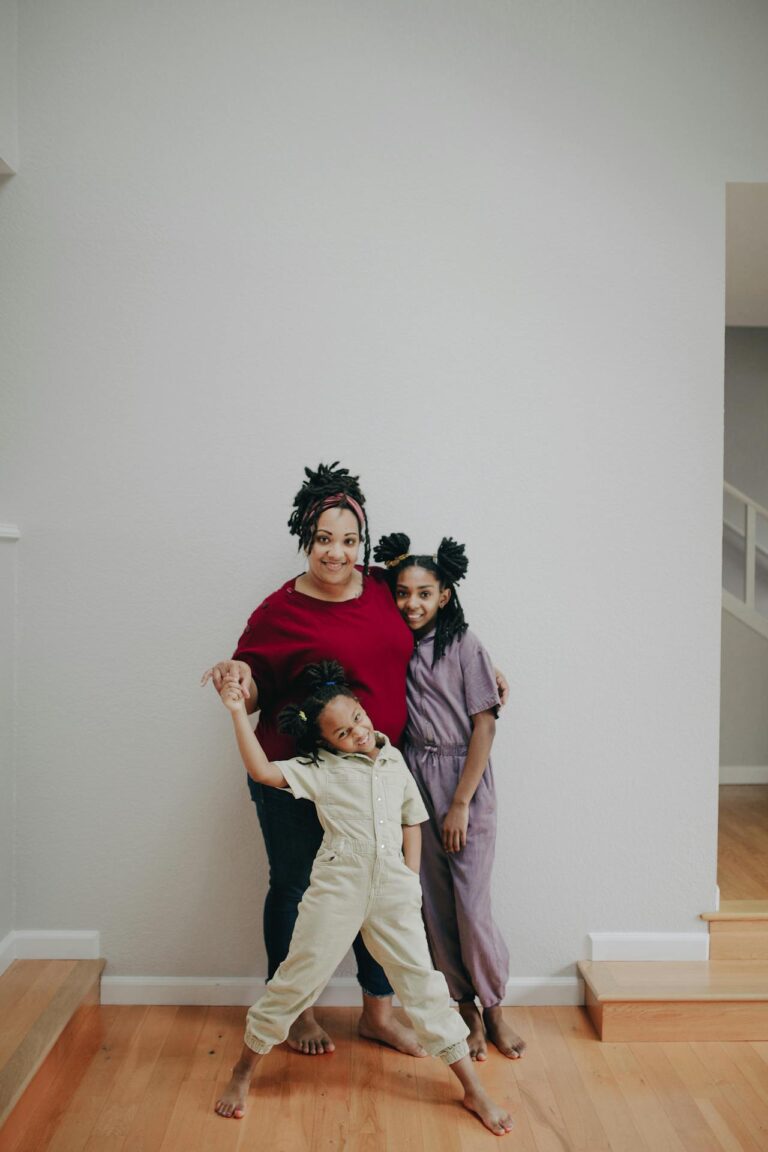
9	136
746	255
7	777
475	251
746	411
744	699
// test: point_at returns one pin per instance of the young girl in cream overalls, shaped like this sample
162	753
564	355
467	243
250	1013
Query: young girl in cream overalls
365	878
452	705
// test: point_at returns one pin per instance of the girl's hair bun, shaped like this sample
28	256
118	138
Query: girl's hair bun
325	674
292	721
391	549
331	478
451	559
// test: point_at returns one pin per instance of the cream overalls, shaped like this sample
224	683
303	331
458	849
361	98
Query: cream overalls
359	883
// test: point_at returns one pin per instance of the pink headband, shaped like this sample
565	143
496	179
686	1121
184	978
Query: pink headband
316	510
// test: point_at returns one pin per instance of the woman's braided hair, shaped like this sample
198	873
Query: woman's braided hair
322	682
449	565
329	487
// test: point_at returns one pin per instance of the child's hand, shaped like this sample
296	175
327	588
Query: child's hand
455	827
232	695
228	669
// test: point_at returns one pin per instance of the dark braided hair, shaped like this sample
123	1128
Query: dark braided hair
449	565
323	682
309	503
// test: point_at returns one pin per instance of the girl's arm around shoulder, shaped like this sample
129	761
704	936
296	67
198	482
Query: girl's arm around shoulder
258	767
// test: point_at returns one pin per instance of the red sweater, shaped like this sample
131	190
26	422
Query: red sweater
366	635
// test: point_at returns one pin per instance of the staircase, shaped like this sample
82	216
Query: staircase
679	1000
48	1017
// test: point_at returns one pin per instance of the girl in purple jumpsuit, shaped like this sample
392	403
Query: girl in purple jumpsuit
452	707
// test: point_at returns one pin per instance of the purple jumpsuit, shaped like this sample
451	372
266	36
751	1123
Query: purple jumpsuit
466	945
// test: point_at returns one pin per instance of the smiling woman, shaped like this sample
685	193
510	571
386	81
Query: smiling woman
331	561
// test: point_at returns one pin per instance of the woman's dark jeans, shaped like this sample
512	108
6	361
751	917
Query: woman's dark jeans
292	836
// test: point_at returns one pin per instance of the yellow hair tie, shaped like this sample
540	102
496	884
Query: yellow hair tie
303	715
397	560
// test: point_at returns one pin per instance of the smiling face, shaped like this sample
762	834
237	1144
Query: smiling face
333	553
419	598
345	727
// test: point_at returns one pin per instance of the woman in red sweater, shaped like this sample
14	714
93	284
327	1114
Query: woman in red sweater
335	610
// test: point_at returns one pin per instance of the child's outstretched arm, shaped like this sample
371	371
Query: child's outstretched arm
478	753
257	765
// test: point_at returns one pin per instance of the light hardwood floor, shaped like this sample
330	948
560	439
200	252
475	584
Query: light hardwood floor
742	856
152	1083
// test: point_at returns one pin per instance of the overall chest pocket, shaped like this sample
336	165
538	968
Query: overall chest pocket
348	792
393	794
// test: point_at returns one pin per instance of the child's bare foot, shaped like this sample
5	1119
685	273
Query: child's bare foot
306	1036
478	1049
378	1022
499	1033
495	1118
233	1098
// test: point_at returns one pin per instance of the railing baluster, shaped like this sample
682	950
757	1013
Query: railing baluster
749	556
745	609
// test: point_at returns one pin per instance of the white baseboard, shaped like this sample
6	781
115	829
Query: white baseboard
7	952
205	990
341	992
48	946
544	990
747	774
649	945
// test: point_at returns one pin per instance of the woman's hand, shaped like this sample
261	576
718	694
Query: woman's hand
236	670
503	687
455	827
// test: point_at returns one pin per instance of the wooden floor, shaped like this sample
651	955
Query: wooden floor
742	857
152	1083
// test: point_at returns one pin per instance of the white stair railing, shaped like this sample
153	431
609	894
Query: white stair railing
745	529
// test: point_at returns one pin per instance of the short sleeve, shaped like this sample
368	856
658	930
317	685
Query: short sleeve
303	779
481	692
413	810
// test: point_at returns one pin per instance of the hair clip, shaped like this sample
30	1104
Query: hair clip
397	560
303	715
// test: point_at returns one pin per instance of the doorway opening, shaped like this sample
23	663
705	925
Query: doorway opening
743	823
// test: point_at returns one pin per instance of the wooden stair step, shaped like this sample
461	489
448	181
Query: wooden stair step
739	930
739	910
43	1004
679	1000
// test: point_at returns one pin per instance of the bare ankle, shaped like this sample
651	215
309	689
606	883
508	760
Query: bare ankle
376	1007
